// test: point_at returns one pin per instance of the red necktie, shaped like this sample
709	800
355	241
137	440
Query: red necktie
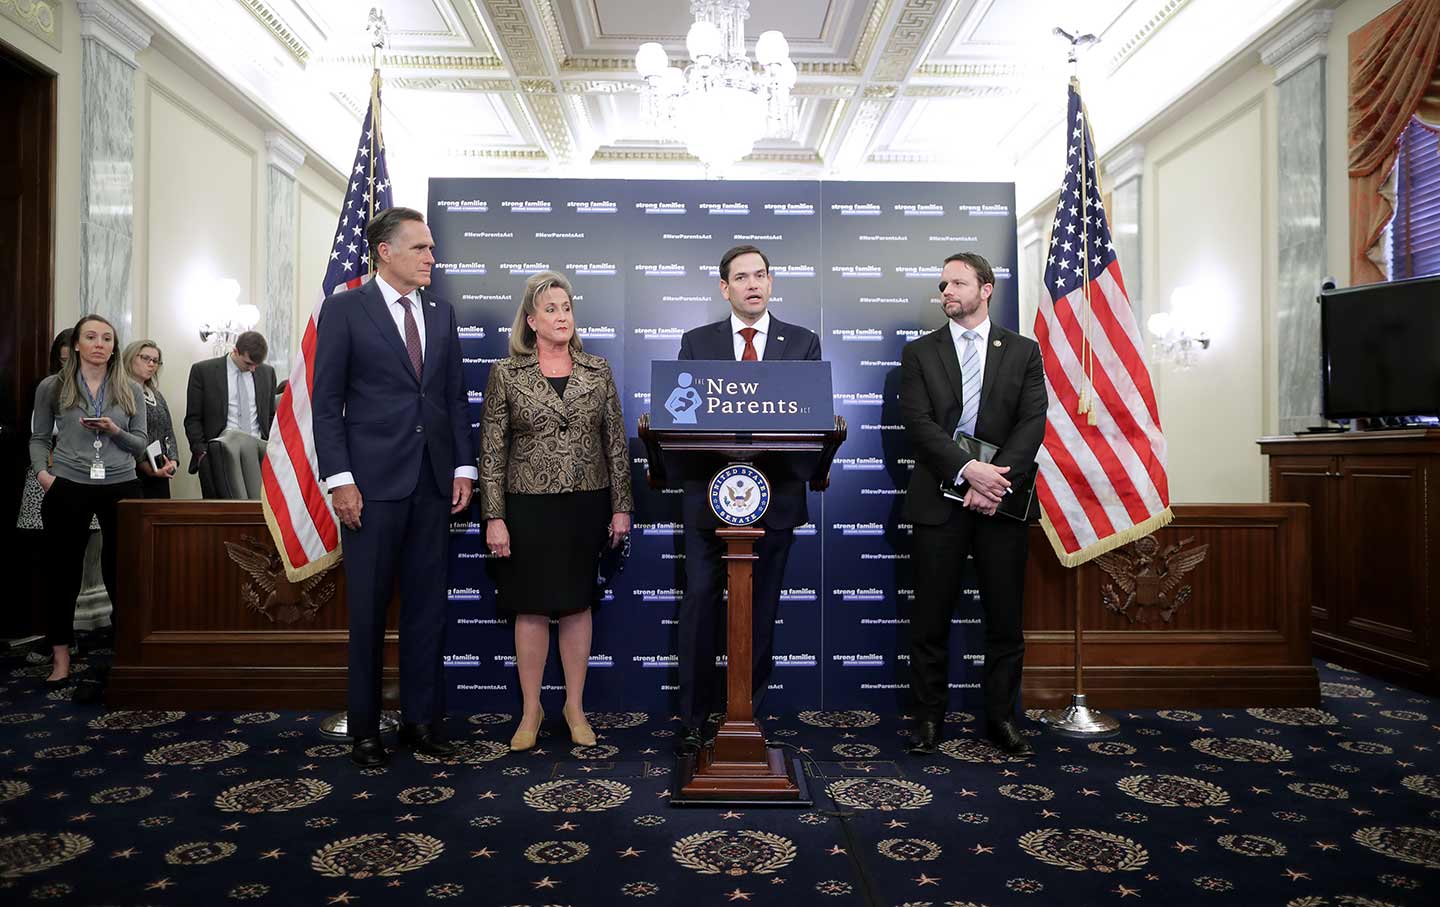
749	355
412	336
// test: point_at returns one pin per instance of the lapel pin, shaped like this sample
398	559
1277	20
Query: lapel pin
778	337
432	305
997	343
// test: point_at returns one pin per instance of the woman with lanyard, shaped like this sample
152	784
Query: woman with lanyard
96	415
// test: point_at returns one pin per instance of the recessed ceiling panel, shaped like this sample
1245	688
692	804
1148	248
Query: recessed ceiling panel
470	114
1021	23
802	20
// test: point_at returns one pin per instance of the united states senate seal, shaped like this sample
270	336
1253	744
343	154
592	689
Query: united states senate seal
739	494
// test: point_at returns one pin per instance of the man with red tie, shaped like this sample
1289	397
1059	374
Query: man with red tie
750	334
393	436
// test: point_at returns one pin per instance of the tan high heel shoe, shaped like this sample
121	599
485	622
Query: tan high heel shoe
581	733
523	739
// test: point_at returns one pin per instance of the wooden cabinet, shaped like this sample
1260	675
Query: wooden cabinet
1375	501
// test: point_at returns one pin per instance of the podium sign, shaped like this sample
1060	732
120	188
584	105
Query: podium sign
724	395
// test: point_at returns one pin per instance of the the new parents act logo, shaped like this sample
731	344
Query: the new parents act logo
693	398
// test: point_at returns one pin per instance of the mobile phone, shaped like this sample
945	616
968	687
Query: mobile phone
89	421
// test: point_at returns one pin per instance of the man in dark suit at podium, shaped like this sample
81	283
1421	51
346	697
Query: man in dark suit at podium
981	379
751	333
392	432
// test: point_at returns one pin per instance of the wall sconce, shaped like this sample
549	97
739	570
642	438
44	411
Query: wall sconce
1180	334
226	319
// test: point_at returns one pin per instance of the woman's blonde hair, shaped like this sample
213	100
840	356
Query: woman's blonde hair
134	350
522	336
117	378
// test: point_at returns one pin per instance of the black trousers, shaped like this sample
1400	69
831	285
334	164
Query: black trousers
703	627
1000	546
66	511
404	541
155	487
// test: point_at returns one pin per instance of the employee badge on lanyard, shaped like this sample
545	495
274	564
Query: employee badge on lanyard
97	467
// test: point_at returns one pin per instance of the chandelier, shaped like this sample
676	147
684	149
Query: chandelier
720	104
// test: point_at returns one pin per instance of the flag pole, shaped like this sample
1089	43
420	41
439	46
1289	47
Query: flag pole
1078	719
336	726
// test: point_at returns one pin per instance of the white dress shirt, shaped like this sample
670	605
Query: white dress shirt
397	311
397	314
762	330
233	377
957	334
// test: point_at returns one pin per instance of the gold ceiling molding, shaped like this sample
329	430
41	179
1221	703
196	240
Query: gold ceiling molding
537	86
960	91
881	91
861	128
277	27
823	90
1147	30
623	155
456	62
549	114
597	86
657	156
913	24
550	25
975	70
39	17
902	157
879	10
500	154
516	37
449	83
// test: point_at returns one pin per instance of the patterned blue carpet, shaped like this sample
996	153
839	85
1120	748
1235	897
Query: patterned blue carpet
1295	807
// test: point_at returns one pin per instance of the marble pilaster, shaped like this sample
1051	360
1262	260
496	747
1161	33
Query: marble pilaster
1299	60
277	309
111	38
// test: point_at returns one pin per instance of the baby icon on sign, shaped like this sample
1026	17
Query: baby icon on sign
684	401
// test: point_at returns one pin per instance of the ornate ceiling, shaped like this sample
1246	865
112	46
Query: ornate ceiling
902	88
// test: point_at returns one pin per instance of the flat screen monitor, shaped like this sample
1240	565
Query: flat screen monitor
1380	350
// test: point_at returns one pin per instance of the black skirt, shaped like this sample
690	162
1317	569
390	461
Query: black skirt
555	542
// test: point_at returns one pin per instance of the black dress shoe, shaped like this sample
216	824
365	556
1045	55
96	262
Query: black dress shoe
1007	737
368	752
690	742
925	739
423	739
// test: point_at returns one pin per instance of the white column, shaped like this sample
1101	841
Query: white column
277	308
111	37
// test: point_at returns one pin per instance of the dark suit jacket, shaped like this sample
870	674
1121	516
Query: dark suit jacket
207	401
788	507
372	417
1013	401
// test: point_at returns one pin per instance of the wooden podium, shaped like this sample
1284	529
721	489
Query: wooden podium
739	768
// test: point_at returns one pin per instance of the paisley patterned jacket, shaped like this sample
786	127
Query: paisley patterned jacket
534	442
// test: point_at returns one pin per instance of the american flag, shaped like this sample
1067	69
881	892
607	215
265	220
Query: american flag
1102	479
303	525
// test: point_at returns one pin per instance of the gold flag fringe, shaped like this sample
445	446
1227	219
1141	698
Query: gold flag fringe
1109	543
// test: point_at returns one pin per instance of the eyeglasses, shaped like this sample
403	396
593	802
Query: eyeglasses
153	360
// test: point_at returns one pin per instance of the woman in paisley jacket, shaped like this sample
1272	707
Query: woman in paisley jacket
555	488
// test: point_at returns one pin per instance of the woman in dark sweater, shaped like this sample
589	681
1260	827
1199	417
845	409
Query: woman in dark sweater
142	362
96	416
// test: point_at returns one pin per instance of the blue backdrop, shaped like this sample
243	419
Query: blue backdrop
858	263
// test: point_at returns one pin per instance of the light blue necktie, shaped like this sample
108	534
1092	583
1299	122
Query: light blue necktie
969	384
